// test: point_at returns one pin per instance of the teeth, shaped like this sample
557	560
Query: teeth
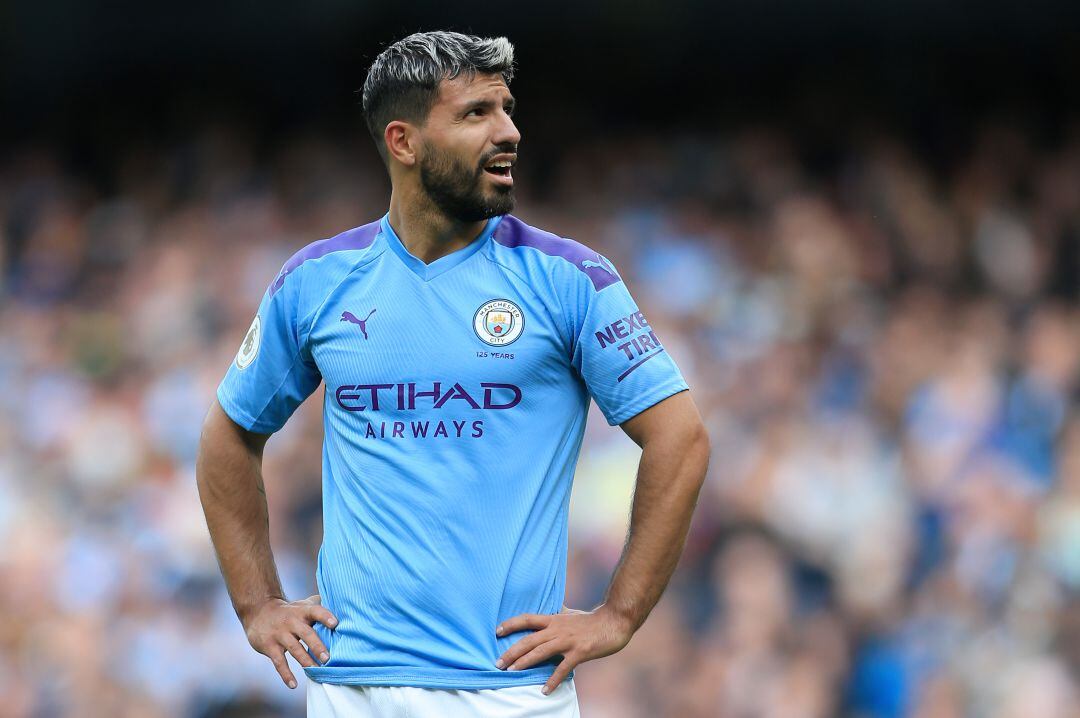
503	163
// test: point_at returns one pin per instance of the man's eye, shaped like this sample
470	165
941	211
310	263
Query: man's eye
475	111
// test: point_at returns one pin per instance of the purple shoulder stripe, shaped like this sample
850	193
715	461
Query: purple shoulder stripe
512	232
358	238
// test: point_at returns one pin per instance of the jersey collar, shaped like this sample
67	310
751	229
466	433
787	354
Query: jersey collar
427	272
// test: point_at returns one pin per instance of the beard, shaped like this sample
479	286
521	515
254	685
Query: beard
456	188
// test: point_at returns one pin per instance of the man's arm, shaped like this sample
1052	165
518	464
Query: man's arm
675	455
229	476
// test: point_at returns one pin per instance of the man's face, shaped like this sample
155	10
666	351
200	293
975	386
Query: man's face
470	144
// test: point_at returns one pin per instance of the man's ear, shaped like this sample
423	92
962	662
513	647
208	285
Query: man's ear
400	138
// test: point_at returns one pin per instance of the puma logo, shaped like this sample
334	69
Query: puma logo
362	323
602	264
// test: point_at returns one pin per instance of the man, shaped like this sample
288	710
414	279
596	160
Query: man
459	348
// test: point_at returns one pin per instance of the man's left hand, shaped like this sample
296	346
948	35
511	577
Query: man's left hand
577	636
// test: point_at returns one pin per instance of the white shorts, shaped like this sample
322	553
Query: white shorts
330	700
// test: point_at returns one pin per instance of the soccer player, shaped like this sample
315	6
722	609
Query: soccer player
459	348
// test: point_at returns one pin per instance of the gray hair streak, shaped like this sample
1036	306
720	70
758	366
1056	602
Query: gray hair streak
403	81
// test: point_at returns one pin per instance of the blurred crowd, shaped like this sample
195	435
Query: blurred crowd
885	347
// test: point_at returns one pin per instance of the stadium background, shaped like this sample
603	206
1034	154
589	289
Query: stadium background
854	224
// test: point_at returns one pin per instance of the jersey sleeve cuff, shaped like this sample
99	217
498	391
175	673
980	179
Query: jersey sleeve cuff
241	417
643	402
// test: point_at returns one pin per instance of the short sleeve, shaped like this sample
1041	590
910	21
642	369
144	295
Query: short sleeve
273	372
625	367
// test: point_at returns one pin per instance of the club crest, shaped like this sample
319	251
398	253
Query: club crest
498	322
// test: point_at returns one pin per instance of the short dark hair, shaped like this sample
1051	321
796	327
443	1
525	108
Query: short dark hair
403	81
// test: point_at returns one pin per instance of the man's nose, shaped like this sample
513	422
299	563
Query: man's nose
506	132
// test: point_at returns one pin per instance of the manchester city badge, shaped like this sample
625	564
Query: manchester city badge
498	322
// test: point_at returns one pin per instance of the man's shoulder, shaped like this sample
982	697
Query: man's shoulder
514	238
344	247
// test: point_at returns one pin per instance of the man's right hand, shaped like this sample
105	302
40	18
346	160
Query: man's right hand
277	626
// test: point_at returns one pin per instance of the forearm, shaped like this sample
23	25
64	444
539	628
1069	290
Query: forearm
670	474
229	476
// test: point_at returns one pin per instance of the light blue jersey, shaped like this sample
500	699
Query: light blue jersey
455	404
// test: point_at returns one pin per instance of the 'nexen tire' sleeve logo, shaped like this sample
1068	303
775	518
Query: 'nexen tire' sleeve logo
632	336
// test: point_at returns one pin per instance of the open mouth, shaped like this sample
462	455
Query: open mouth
501	168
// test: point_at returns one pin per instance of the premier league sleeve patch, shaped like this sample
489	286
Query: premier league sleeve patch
249	349
498	322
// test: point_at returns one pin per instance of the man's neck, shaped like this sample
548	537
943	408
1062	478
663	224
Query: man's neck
425	231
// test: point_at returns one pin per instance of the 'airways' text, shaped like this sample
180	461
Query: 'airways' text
423	429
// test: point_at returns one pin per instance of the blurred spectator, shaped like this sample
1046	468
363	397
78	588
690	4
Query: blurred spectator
886	354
